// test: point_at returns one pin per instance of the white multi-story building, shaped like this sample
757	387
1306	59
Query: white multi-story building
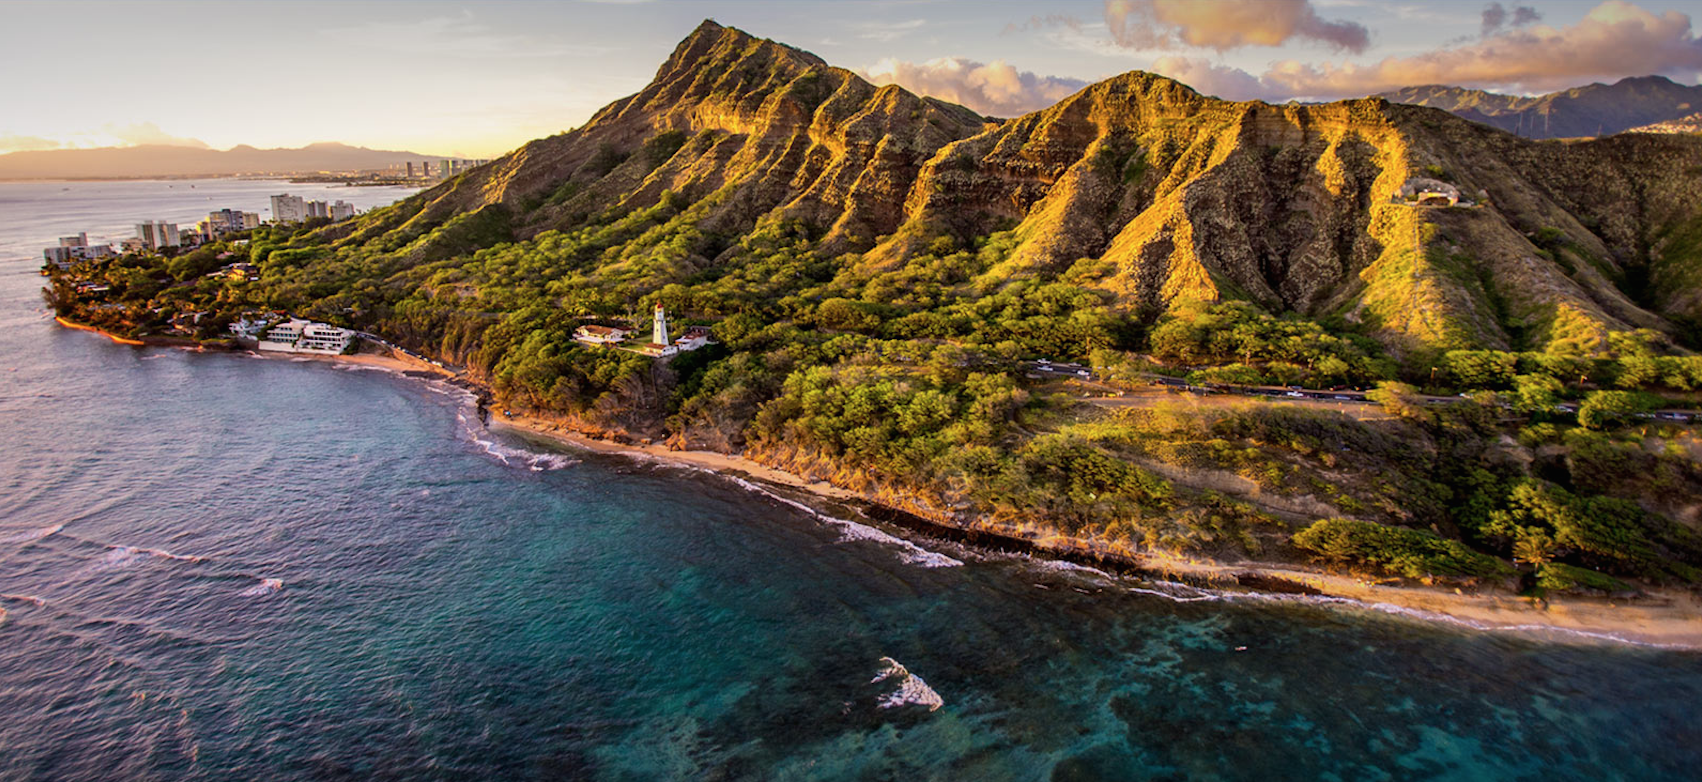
318	209
287	208
303	336
65	255
342	210
156	234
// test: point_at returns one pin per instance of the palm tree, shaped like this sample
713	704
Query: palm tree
1533	547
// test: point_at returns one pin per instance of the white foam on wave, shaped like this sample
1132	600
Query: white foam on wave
31	535
911	691
31	599
266	586
851	530
125	556
118	557
511	456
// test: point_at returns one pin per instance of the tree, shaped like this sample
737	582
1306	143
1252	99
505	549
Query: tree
1535	394
1399	399
1607	409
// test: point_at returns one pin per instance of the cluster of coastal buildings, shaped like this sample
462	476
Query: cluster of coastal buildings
446	168
293	335
615	336
155	235
287	208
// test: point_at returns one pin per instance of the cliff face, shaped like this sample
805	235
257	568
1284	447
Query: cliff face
1137	185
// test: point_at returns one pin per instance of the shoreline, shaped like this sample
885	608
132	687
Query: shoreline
1671	619
1668	619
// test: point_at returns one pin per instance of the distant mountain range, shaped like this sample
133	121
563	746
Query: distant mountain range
168	161
1588	111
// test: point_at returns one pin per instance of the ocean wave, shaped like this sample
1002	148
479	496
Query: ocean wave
851	530
125	556
31	535
31	599
163	554
266	586
911	690
536	461
118	557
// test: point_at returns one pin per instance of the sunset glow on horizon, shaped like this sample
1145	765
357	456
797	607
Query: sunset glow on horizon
476	80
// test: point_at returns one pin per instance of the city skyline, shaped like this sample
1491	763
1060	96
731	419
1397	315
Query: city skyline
447	79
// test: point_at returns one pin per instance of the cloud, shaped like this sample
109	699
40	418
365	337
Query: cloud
1227	24
1044	22
995	88
140	133
453	36
1222	81
887	31
1495	17
1615	39
12	143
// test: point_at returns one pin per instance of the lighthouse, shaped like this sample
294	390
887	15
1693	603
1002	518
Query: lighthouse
659	336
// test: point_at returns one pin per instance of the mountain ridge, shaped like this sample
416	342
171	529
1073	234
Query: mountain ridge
1167	194
1589	110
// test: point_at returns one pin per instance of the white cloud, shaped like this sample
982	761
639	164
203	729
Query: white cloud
454	36
1615	39
1227	24
140	133
995	88
887	31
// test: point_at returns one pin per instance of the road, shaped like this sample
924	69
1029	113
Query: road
1043	369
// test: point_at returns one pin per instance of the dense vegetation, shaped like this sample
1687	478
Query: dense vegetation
910	382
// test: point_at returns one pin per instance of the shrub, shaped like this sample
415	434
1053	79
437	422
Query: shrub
1398	550
1555	576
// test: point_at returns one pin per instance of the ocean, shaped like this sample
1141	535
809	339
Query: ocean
214	566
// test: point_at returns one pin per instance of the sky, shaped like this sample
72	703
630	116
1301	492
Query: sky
475	79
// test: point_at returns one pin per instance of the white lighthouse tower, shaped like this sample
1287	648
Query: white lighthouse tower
659	336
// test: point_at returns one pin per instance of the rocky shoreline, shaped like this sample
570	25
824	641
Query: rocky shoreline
1665	619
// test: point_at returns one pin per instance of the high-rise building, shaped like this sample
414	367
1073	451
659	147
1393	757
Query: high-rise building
410	169
227	221
156	234
287	208
342	210
80	240
318	209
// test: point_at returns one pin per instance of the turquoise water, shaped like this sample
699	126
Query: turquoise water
221	567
